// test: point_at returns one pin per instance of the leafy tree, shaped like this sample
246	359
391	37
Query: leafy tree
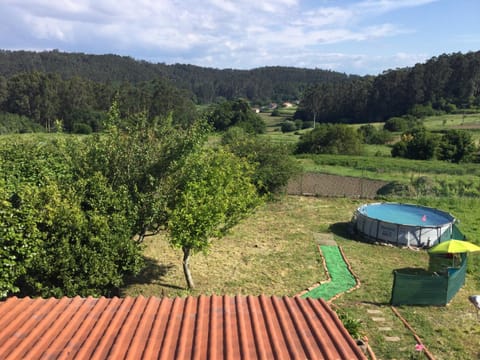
399	149
402	124
61	234
272	161
315	100
86	244
142	159
14	124
214	192
456	146
372	135
331	139
167	100
421	111
288	126
235	113
418	144
20	238
3	91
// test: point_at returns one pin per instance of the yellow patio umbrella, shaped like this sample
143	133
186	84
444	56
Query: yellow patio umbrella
454	247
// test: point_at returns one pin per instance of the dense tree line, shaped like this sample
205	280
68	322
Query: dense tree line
207	84
82	105
442	84
78	88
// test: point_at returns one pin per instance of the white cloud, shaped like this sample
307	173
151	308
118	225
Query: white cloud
219	33
382	6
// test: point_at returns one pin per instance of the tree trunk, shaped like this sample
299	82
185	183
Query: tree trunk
186	269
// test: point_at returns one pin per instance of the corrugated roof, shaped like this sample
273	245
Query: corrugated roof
205	327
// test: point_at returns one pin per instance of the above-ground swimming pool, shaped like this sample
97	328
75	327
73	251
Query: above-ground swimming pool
403	224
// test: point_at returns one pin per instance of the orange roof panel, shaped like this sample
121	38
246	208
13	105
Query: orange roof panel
204	327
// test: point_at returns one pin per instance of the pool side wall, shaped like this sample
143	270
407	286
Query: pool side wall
399	234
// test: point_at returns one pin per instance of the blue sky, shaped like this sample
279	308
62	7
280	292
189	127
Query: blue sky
355	37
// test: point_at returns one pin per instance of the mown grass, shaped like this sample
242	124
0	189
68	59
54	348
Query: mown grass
273	252
259	256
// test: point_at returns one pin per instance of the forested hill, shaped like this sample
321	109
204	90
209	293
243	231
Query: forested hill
442	84
207	84
79	88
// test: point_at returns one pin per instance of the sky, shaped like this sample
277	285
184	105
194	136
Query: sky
353	37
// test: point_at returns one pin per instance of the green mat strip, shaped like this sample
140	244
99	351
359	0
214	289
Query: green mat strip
342	278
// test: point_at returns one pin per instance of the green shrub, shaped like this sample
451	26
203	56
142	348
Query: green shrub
273	163
86	244
288	126
331	139
62	235
275	112
307	125
18	124
352	325
81	128
401	124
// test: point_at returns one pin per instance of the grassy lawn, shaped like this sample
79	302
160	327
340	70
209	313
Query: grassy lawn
459	121
273	252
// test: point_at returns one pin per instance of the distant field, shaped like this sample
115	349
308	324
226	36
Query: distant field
467	121
273	122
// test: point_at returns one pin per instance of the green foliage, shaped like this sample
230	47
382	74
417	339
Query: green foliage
20	238
62	235
421	111
456	146
262	85
352	325
272	161
401	124
235	113
342	101
276	112
81	128
417	144
331	139
86	246
288	126
14	124
142	159
372	135
214	192
44	97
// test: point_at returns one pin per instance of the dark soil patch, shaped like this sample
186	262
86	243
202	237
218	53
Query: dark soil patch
315	184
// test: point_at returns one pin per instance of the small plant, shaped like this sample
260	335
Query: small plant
352	325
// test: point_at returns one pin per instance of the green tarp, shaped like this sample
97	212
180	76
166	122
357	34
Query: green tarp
341	278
